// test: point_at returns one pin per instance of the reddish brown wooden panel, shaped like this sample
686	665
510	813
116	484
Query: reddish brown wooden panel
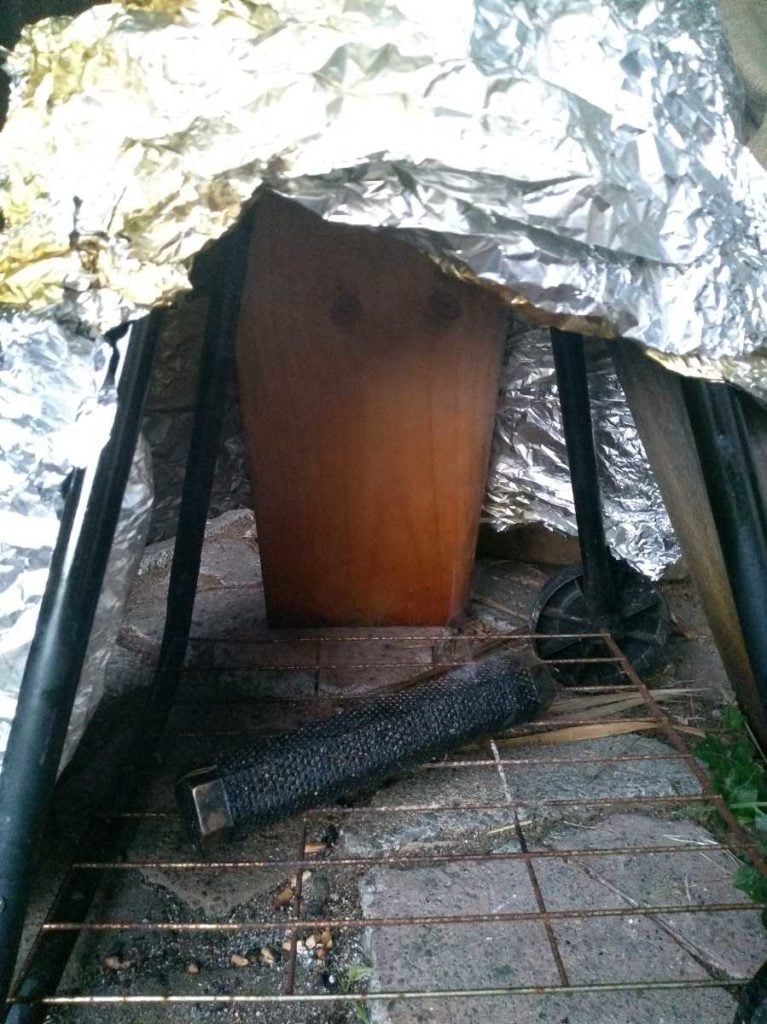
368	384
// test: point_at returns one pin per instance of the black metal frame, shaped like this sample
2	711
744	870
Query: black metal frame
80	560
573	387
724	447
61	639
216	368
26	789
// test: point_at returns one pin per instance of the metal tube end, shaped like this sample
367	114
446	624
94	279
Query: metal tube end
201	796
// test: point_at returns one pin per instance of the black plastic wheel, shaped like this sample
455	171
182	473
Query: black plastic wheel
641	625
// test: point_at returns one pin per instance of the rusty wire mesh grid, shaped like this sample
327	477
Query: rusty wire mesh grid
155	849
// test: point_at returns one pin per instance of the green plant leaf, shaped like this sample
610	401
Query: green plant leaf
732	719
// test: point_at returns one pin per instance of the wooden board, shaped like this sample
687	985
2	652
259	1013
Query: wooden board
368	383
657	404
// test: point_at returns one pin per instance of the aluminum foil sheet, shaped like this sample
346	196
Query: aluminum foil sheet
529	479
56	411
127	548
580	155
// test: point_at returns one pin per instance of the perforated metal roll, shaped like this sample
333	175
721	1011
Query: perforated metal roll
329	758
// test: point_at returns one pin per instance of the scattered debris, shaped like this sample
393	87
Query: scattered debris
314	848
267	957
331	834
192	967
284	896
116	963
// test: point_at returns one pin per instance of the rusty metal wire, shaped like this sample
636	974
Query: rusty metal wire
489	757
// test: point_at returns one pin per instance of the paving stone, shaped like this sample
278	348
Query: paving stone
370	834
472	955
483	887
597	779
729	943
423	832
686	1006
609	949
439	957
246	684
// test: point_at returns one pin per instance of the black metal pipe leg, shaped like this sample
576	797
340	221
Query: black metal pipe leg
216	369
572	383
49	957
737	504
58	650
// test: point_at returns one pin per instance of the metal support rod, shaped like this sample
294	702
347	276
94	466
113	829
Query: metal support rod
216	368
50	953
58	649
47	959
724	447
572	383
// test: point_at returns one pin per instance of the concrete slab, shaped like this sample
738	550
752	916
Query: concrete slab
729	944
371	834
614	950
597	779
690	1006
441	957
476	887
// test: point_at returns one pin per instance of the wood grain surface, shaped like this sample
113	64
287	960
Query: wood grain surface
368	383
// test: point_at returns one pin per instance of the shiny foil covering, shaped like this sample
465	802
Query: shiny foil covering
580	155
124	559
56	411
529	479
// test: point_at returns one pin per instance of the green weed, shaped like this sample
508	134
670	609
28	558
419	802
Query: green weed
739	774
351	978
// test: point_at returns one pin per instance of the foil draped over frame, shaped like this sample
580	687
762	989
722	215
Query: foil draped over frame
529	479
579	155
124	559
56	411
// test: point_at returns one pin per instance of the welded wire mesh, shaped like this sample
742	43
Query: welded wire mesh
260	955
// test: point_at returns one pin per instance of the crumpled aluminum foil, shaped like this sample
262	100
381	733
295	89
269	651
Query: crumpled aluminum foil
56	411
124	559
580	155
529	480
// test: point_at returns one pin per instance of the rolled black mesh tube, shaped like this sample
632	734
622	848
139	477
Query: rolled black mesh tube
328	758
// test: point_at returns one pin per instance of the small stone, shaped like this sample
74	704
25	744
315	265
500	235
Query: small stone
311	942
238	960
116	963
284	896
313	848
286	945
192	967
327	939
267	956
320	952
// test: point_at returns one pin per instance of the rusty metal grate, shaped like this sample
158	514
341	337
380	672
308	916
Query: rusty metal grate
297	851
